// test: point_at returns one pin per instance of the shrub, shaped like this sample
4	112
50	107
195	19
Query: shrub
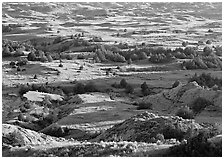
81	67
218	50
22	61
145	89
144	86
23	89
43	59
160	137
185	113
209	42
12	63
80	56
31	56
96	59
18	53
35	76
144	105
134	57
21	117
199	105
207	50
116	85
171	132
57	40
142	56
90	87
189	50
129	89
67	89
176	83
146	92
197	146
80	88
184	44
49	58
129	61
123	83
206	80
6	52
100	55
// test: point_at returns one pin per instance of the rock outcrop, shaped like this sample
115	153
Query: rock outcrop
13	135
145	127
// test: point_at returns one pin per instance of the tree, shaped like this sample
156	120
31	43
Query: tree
176	83
129	89
90	87
218	50
18	53
43	59
185	113
31	56
6	52
209	42
199	105
207	51
119	58
100	55
134	57
80	88
96	59
142	56
49	58
184	44
123	83
144	86
129	61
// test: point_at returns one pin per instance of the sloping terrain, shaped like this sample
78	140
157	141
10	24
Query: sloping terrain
183	94
22	142
146	126
111	79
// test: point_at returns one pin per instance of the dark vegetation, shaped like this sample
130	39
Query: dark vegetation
123	84
185	113
78	88
145	89
144	105
207	80
199	105
197	146
10	27
57	48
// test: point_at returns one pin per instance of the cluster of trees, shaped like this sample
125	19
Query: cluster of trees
104	55
197	146
77	88
207	80
203	62
189	112
12	48
10	27
96	39
161	58
124	84
39	56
